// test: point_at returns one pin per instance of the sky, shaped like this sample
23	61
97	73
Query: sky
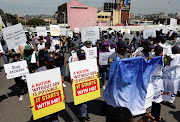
49	7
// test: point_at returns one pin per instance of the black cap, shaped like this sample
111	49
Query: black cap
149	43
49	57
158	47
175	50
81	53
123	44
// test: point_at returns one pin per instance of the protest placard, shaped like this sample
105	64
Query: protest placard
74	57
55	30
85	78
69	33
103	58
128	36
20	48
125	30
1	49
46	92
139	49
16	69
165	30
76	30
173	24
3	25
91	52
63	31
90	33
41	31
148	33
14	36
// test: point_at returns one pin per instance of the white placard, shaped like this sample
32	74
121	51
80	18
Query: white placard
14	36
2	22
165	30
63	31
173	24
16	69
103	58
1	49
20	48
41	31
125	30
148	33
90	33
74	57
55	30
69	33
128	36
76	30
139	49
91	52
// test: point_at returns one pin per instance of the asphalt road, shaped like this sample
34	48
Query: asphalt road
13	110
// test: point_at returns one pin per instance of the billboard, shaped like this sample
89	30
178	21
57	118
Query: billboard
122	4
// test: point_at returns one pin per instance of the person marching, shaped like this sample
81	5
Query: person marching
103	68
19	82
82	108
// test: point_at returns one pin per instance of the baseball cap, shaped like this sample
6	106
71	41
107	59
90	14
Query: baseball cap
123	44
88	42
80	53
76	46
49	57
27	47
14	53
148	43
175	50
158	47
105	44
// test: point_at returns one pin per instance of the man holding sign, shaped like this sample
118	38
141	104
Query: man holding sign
15	70
85	83
46	91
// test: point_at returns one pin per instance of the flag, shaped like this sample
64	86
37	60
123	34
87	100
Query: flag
128	80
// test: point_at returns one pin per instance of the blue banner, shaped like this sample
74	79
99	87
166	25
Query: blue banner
128	80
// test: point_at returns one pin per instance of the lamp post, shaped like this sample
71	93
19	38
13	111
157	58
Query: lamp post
64	17
169	1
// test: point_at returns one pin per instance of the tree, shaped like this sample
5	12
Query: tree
7	17
36	22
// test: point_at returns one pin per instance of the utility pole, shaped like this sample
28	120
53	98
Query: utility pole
169	1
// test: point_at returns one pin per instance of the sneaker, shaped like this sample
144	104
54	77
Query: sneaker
171	105
64	85
104	87
20	98
87	118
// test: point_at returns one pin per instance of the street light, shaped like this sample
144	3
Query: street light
169	1
64	16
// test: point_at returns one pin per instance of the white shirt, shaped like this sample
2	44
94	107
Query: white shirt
40	47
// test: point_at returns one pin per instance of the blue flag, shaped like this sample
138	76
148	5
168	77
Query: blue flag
128	80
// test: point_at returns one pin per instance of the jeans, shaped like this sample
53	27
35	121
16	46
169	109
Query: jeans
103	73
6	59
21	85
82	110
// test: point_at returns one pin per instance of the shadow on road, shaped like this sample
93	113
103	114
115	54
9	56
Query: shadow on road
3	97
176	115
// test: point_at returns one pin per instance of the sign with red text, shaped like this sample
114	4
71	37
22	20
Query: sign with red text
85	78
16	69
46	92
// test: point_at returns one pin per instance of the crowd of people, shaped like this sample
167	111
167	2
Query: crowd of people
50	52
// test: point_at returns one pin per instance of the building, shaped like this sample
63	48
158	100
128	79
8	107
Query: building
77	15
104	18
